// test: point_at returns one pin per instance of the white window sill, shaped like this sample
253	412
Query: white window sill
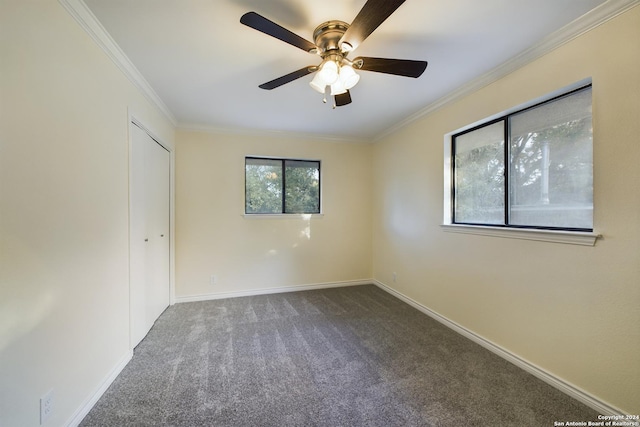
554	236
305	217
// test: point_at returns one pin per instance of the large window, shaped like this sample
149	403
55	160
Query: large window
281	186
532	168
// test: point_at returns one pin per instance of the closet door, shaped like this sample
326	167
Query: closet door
149	232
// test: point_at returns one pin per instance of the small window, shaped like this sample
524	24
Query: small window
281	186
532	168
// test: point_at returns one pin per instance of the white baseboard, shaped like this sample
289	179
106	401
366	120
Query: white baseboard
90	401
278	290
575	392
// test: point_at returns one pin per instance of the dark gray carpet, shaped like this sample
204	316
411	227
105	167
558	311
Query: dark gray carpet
353	356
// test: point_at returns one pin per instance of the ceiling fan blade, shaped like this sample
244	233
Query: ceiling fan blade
343	99
262	24
399	67
288	78
372	14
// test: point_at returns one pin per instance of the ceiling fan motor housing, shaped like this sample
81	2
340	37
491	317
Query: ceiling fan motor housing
327	37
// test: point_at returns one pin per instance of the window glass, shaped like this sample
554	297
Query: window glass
479	175
277	186
263	186
551	153
547	181
302	186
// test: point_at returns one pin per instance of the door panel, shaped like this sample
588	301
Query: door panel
149	232
158	183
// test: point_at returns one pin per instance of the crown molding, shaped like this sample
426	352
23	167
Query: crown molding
594	18
194	127
87	20
587	22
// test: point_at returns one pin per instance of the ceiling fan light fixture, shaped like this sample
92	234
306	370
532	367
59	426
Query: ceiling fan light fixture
338	88
333	41
318	84
348	76
329	72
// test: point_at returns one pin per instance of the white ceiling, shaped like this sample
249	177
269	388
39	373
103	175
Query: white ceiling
206	66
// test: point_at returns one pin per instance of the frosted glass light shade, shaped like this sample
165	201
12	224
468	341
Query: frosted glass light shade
318	84
338	88
340	78
348	76
329	72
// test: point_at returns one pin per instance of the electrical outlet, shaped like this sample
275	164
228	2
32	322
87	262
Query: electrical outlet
46	406
213	280
395	276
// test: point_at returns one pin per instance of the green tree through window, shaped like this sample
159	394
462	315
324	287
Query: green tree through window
542	176
281	186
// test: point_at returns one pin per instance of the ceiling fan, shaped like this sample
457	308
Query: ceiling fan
333	41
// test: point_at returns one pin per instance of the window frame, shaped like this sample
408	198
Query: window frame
551	234
282	213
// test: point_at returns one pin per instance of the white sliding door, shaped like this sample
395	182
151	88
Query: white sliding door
149	232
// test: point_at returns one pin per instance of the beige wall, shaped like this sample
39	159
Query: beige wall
64	293
571	310
246	254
